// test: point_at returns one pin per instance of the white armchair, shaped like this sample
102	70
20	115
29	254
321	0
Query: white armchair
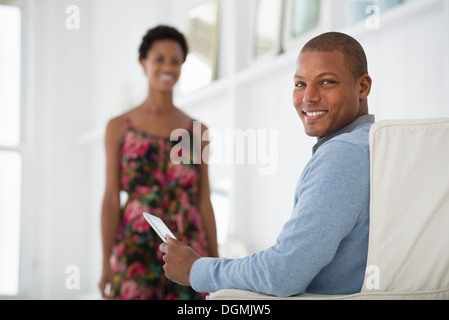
408	254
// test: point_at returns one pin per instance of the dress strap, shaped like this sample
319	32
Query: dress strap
128	121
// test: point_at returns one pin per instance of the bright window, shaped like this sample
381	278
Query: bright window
10	148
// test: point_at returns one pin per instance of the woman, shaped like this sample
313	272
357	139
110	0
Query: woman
138	161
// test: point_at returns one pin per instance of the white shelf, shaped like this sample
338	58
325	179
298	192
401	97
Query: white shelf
400	14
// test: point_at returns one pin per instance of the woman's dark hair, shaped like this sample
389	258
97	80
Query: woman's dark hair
162	32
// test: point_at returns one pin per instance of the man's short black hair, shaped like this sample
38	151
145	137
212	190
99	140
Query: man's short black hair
162	32
355	58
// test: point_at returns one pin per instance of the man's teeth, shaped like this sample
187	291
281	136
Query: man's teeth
314	114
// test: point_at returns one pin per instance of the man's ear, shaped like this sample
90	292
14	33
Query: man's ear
365	82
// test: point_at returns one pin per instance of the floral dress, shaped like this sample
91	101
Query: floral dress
156	185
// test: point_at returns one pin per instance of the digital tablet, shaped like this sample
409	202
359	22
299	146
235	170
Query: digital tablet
159	226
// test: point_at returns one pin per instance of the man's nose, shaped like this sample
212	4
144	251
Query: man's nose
311	94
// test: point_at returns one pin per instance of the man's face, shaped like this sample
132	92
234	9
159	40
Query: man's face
326	95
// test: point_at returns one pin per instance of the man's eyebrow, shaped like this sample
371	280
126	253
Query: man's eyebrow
324	74
321	75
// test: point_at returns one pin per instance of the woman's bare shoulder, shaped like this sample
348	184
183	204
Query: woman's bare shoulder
116	123
189	119
116	127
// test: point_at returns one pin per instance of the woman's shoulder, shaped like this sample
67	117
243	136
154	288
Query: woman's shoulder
117	126
189	119
116	123
121	121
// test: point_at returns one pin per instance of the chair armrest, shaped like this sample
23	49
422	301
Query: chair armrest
234	294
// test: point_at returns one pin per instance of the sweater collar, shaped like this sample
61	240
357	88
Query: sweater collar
367	118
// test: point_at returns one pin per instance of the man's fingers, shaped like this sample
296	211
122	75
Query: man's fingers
163	247
173	241
178	258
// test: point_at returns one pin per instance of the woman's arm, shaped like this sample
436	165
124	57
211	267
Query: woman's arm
205	205
110	211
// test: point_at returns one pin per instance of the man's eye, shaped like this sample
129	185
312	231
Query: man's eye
300	84
327	82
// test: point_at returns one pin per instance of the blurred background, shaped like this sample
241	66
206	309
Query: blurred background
68	66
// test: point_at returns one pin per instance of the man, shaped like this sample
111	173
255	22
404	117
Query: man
323	248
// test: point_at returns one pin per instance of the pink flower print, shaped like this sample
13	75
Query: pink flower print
125	179
116	264
195	217
158	212
142	191
136	269
140	225
130	290
180	223
135	146
133	211
134	216
119	249
164	147
183	199
184	175
170	296
159	176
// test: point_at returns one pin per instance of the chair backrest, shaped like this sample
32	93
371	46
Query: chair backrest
409	213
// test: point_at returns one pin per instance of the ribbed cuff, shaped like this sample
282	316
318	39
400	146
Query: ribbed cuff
200	275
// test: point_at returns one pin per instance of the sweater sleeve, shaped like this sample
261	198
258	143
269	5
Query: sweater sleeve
328	200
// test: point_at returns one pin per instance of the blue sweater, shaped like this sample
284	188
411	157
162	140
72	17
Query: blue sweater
323	247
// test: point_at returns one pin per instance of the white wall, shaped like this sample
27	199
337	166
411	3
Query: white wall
78	79
54	181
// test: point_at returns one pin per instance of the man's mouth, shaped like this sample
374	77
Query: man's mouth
315	113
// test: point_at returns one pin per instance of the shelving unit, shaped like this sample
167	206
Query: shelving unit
332	18
407	11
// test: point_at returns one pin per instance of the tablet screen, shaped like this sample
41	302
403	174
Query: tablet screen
159	226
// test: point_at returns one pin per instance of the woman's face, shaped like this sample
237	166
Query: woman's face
163	64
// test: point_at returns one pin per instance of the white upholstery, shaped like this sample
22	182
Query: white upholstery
408	254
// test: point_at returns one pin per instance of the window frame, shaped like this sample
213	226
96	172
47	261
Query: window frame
22	147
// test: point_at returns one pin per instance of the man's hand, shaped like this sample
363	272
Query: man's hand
179	259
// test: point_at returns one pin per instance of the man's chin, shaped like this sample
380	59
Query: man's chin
314	134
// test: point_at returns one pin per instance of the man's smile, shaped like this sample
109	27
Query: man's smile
314	115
